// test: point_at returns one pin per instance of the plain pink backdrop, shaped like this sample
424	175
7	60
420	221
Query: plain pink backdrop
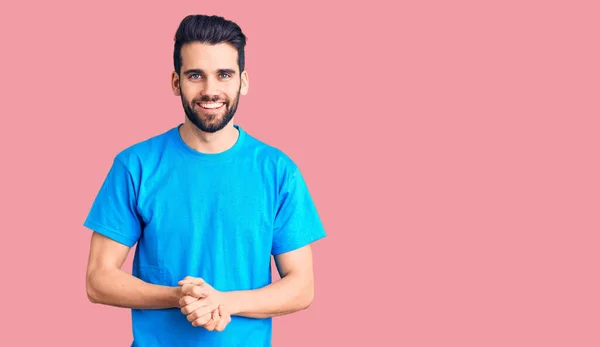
451	148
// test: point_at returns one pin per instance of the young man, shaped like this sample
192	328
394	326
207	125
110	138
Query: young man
208	205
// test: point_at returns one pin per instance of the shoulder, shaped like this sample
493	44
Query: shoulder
135	155
271	157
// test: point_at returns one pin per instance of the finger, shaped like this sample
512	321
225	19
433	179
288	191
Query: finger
191	280
199	292
186	288
225	318
203	312
186	300
222	323
189	309
216	316
187	279
194	290
201	321
223	312
212	324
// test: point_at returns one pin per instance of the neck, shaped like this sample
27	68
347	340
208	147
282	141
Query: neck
210	143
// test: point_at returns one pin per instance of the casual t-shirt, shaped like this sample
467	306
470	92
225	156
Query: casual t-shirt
215	216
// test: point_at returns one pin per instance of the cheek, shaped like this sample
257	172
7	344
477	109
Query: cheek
188	96
232	94
189	91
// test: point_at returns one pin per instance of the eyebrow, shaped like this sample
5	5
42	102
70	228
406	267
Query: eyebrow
201	72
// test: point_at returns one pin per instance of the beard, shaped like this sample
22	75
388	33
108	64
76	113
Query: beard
210	123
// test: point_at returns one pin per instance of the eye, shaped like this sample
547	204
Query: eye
224	75
192	76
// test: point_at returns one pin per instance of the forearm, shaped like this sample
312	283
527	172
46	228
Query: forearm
289	294
115	287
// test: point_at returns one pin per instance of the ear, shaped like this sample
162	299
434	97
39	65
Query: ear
175	83
245	83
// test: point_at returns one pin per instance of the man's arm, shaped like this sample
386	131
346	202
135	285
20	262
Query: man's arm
293	292
107	284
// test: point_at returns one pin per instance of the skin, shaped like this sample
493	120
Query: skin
293	292
208	73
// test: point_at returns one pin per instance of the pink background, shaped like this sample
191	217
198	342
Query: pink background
451	148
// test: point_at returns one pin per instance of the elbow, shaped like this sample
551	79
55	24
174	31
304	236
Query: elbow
91	295
301	300
90	291
307	299
92	298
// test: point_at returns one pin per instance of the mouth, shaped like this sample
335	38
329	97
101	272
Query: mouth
211	106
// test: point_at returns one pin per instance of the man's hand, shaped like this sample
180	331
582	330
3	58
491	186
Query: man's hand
219	319
203	305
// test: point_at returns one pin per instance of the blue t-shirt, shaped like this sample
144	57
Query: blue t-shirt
215	216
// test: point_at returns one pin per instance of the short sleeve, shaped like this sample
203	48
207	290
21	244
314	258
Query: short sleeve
297	222
113	212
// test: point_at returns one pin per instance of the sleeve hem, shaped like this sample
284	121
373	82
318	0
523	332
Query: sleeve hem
291	246
116	236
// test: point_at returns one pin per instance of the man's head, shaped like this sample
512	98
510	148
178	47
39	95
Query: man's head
209	70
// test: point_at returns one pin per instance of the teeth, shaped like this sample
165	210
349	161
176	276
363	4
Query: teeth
213	105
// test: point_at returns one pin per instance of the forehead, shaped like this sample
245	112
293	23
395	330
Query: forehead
196	55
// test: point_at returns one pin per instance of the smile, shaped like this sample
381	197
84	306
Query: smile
211	106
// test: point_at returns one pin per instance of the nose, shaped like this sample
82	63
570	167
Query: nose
211	89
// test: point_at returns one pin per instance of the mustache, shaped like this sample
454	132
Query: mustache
210	99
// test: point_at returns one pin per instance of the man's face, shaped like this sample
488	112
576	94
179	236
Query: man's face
210	84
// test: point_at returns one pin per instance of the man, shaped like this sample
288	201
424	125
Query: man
208	205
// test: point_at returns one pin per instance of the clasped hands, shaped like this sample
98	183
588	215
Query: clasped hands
203	305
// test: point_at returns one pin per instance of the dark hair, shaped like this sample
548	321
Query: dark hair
211	30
